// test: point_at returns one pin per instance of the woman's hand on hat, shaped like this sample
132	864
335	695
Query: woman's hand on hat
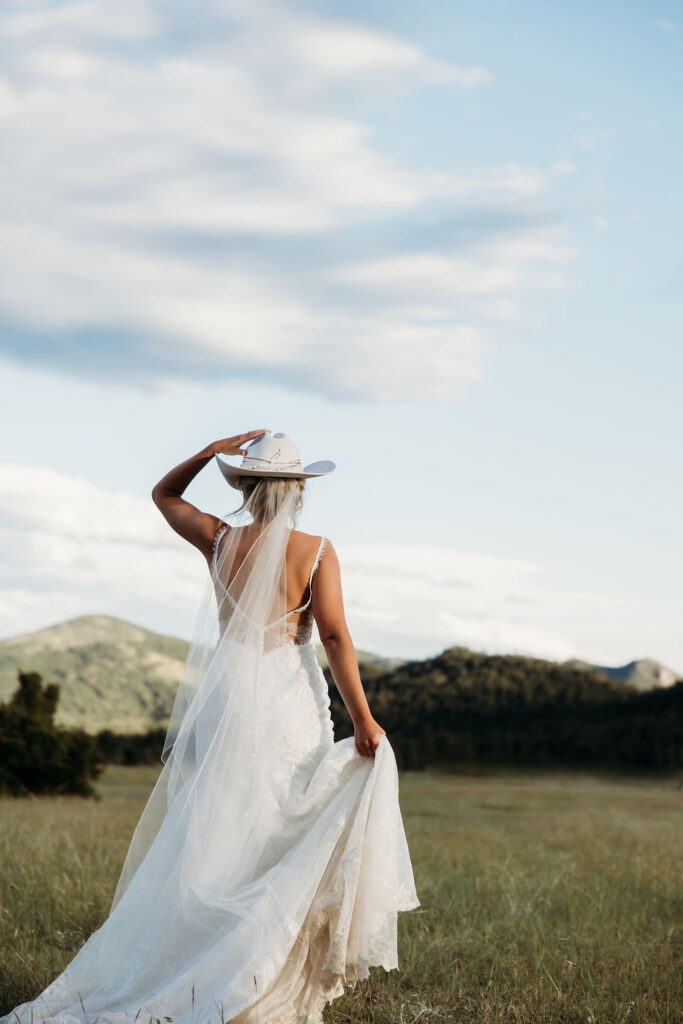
233	445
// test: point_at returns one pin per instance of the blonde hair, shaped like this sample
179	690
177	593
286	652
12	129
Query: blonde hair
266	494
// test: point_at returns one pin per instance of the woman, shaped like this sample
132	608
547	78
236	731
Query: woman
268	867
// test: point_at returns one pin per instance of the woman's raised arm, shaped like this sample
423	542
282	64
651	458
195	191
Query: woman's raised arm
195	526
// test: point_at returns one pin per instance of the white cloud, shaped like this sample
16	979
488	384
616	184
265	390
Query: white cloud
490	183
594	138
345	51
80	21
562	168
667	25
68	548
505	265
198	188
413	600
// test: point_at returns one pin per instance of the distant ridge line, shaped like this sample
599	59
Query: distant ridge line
117	675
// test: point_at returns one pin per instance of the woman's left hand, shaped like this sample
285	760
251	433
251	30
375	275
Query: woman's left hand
233	445
366	734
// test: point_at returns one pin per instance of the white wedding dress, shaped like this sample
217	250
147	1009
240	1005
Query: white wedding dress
269	867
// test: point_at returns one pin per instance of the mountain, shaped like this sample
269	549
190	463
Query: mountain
460	705
116	675
113	674
643	674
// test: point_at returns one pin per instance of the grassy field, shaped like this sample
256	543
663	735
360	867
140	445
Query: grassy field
548	898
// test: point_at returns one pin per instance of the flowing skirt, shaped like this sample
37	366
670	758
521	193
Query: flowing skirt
312	907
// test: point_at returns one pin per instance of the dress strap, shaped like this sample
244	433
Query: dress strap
323	541
321	548
221	529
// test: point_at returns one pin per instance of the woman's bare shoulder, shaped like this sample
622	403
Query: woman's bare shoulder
308	543
306	538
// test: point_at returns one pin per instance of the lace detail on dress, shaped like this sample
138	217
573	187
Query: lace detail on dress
219	533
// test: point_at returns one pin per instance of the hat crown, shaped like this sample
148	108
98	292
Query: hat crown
273	450
271	455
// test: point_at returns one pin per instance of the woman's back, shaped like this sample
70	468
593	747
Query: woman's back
303	555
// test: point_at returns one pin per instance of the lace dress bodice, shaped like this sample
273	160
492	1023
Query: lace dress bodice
299	630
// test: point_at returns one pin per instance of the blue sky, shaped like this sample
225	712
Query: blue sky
436	243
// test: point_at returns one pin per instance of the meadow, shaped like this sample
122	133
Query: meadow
547	897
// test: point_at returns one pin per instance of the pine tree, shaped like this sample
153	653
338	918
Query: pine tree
36	755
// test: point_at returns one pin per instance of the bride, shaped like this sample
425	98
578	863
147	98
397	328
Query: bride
269	865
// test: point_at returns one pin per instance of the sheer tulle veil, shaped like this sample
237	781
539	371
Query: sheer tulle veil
218	763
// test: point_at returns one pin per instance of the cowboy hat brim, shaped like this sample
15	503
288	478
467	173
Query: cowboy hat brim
232	473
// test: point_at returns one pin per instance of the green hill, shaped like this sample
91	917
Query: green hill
112	674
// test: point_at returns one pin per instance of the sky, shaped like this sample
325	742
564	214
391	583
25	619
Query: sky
437	243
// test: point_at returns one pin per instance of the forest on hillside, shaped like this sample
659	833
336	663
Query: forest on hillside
457	709
464	707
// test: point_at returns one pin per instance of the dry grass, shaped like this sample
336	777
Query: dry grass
550	898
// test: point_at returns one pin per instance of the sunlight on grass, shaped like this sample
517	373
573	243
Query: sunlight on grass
545	897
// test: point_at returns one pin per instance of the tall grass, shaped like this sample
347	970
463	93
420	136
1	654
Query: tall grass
548	898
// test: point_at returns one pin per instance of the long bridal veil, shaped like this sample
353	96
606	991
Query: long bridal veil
218	761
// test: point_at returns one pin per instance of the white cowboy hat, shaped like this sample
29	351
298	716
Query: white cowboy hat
272	455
